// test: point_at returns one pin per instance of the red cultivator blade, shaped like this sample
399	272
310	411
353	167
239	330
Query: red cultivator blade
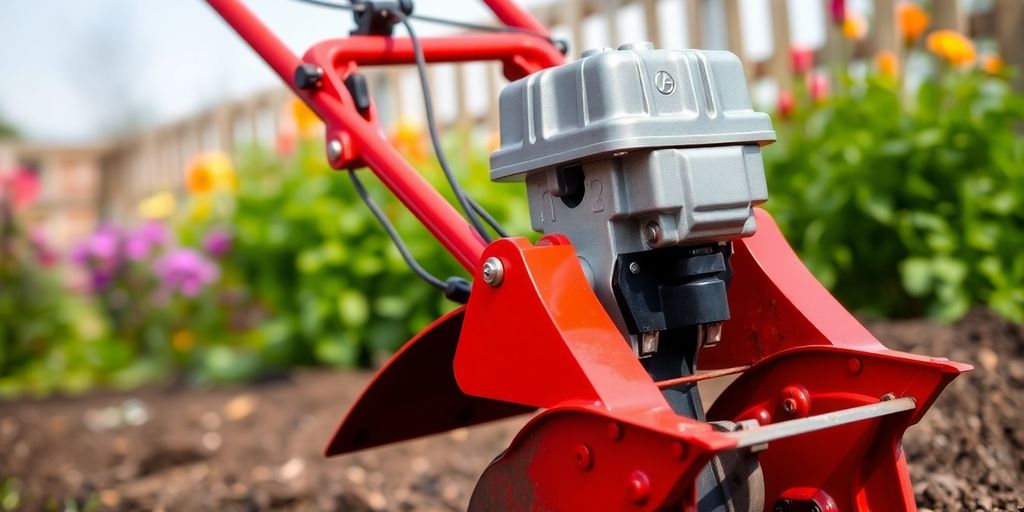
415	395
822	408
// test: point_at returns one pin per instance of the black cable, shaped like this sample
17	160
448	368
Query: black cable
333	5
490	220
395	237
441	21
435	139
473	210
481	27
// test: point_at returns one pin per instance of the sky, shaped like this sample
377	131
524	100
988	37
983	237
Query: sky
73	71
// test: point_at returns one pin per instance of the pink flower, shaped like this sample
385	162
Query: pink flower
818	87
785	104
20	187
837	9
802	59
185	271
143	240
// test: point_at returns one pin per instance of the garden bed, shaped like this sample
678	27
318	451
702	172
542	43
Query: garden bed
259	447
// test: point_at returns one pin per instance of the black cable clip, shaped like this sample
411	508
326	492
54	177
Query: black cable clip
378	17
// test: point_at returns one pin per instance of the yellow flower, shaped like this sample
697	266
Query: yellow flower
209	171
157	206
992	64
202	207
888	63
855	27
913	21
307	122
952	47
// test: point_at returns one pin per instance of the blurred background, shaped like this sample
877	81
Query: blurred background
167	217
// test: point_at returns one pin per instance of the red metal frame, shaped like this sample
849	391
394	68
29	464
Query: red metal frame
362	139
541	339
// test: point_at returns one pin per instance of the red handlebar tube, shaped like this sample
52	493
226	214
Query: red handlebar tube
361	138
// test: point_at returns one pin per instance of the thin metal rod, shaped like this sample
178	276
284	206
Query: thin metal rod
689	379
784	429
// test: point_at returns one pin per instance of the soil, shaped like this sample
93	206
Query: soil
259	447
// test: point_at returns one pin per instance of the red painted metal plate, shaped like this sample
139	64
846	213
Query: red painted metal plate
415	395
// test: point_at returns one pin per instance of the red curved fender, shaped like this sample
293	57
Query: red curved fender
415	395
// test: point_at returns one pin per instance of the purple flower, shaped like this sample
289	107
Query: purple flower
185	271
141	242
217	243
100	250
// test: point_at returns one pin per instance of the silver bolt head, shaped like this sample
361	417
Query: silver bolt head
652	232
334	149
634	268
493	271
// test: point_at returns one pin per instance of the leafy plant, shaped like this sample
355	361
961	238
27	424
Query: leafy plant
906	202
332	286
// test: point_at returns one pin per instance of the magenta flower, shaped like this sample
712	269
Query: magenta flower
143	240
101	249
185	271
837	10
217	243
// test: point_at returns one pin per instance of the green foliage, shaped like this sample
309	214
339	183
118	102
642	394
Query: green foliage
326	281
908	203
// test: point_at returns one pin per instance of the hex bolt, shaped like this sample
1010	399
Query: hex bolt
493	272
652	232
639	487
634	268
789	405
334	149
584	457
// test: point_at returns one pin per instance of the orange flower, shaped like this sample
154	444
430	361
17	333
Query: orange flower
952	47
992	64
888	63
913	21
855	27
307	122
182	341
409	139
209	171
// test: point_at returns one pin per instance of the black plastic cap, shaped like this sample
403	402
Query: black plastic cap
562	45
457	290
308	76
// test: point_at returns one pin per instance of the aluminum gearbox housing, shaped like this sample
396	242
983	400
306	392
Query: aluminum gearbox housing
635	149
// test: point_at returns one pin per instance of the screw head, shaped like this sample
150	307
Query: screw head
584	457
634	268
493	271
334	149
639	487
652	232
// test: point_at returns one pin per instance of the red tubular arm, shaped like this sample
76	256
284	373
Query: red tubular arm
514	16
440	218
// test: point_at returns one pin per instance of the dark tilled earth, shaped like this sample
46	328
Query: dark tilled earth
259	447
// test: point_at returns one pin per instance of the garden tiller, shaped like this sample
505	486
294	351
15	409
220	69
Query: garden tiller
656	270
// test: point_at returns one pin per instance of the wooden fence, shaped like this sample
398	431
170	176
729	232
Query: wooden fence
466	94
